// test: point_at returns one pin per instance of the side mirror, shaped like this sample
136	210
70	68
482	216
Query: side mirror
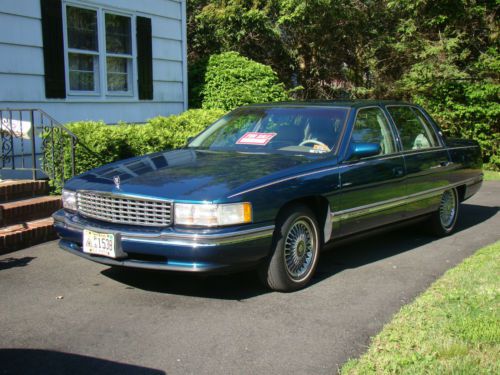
363	150
189	140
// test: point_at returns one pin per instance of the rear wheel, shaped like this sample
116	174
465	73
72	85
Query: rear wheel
296	247
444	219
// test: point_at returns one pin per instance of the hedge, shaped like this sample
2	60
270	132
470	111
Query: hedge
99	143
232	80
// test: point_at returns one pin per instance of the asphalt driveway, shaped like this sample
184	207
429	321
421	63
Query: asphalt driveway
63	314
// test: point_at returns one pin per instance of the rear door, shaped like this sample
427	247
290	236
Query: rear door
427	161
372	187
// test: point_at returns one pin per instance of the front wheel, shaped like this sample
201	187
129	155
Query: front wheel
444	219
296	247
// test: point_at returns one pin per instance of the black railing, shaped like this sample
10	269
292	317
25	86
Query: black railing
35	145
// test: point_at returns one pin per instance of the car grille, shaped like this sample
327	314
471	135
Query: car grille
124	210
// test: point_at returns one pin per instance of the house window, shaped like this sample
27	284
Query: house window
99	52
83	49
118	53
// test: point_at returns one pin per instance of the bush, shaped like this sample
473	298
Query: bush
101	144
232	80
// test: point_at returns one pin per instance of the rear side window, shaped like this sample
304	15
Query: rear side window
416	133
371	126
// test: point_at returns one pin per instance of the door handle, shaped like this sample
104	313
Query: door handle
397	171
445	163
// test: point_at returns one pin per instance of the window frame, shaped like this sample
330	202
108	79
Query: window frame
132	58
429	124
100	73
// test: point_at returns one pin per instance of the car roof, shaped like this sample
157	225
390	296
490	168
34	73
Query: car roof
331	103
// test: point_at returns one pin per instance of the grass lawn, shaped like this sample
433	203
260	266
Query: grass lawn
491	175
452	328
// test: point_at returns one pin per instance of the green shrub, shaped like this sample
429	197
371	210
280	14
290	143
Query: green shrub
232	80
100	143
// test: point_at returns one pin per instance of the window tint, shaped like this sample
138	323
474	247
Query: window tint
371	127
429	130
415	132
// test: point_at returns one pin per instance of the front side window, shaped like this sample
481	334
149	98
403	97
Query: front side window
371	126
268	129
92	50
415	132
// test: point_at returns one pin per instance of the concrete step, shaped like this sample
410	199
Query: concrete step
28	209
26	234
19	189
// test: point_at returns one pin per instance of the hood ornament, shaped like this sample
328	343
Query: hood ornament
116	180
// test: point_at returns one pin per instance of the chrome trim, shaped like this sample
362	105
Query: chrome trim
194	267
124	209
395	202
126	195
461	147
176	239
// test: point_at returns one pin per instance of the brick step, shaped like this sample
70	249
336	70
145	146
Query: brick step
20	189
28	209
27	234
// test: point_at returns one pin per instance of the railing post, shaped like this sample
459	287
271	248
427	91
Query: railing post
12	150
33	144
73	145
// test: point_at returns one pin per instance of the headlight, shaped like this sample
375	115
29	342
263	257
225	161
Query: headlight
213	215
69	200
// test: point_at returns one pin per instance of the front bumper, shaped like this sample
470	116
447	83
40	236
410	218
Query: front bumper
193	250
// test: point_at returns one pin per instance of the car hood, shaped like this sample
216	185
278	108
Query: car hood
189	175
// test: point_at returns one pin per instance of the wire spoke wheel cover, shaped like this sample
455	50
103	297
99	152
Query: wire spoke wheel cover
300	248
447	209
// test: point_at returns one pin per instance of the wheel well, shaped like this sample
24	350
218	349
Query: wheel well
461	193
316	203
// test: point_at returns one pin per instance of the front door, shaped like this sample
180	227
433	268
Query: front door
372	188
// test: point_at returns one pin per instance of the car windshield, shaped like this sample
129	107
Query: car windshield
269	129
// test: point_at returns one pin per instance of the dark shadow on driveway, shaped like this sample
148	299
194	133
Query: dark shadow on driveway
347	254
15	262
48	362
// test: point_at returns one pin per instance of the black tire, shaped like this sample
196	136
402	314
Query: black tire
444	219
296	246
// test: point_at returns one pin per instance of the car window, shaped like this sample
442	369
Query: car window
371	126
268	129
429	130
415	132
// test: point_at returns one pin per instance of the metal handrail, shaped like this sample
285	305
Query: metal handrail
46	138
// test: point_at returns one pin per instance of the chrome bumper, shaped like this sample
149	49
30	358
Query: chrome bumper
169	249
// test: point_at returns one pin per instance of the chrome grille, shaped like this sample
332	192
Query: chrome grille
124	210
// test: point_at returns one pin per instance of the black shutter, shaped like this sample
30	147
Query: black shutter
144	58
53	48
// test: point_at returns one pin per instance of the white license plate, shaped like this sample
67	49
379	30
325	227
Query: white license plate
99	243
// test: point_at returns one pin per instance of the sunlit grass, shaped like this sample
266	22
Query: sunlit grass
452	328
491	175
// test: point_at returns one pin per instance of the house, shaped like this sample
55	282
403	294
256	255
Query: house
111	60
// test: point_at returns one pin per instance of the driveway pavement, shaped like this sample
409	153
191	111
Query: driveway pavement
62	314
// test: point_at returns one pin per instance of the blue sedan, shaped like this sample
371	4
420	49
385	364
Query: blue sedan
268	186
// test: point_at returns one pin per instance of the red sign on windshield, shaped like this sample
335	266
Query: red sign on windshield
254	138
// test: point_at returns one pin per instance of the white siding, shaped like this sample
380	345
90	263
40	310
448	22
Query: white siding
22	67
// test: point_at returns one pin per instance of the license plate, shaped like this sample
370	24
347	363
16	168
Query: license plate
99	243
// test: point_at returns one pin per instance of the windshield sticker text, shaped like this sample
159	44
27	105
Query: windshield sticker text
254	138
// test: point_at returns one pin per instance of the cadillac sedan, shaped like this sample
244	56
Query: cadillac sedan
268	186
